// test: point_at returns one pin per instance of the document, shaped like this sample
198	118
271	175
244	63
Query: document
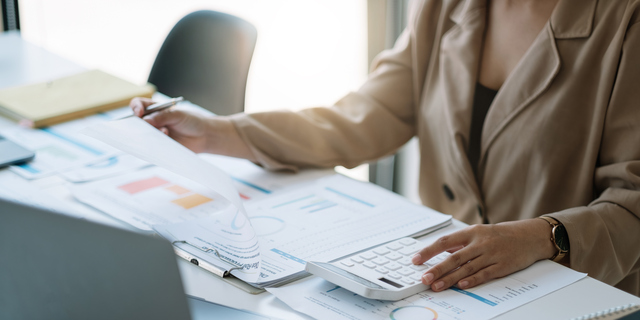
138	138
254	182
189	201
324	300
16	188
104	168
60	147
331	218
318	220
151	196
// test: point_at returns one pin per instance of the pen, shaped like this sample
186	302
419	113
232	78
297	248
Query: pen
158	107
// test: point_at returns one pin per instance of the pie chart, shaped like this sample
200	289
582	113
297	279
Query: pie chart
267	225
413	312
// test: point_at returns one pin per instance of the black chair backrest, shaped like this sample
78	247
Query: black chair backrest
205	58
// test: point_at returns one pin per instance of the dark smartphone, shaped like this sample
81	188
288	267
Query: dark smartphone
12	153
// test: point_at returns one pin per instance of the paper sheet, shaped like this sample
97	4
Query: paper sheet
15	188
254	182
59	148
324	300
138	138
104	168
149	197
330	218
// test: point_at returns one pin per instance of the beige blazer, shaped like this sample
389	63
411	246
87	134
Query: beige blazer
562	136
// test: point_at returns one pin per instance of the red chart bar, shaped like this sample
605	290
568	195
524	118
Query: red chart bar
142	185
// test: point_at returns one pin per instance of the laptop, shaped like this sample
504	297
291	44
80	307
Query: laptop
12	153
57	267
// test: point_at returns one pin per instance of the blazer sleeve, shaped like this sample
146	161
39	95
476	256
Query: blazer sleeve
364	125
605	235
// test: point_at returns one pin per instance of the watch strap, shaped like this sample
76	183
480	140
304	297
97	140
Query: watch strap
554	224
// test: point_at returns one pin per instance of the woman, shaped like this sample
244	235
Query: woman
523	109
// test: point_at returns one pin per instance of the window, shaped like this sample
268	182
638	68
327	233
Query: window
309	52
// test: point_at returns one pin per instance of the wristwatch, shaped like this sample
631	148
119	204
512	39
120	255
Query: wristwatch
559	238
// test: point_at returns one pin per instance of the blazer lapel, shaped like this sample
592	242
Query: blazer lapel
459	60
537	68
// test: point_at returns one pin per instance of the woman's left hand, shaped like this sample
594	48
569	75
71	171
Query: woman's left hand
484	252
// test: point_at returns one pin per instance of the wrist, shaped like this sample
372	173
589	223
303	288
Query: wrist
223	138
543	229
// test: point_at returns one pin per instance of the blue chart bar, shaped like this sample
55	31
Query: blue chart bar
334	289
328	205
284	254
475	296
292	201
247	183
349	197
74	142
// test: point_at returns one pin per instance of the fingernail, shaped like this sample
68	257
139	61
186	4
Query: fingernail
428	277
438	285
463	284
416	258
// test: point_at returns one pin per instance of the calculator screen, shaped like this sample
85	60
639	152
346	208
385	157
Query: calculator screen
349	275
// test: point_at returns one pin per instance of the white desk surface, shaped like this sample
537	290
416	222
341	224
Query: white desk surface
583	297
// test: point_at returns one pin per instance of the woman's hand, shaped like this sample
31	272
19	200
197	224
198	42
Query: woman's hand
484	252
200	134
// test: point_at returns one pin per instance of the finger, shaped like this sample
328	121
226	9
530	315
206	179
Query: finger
164	130
139	104
455	249
461	272
166	118
484	275
455	260
448	242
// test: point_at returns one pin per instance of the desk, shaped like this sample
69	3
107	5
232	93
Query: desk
585	296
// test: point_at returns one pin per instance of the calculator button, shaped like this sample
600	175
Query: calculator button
381	251
393	256
406	272
394	246
408	251
382	270
432	262
393	266
347	263
416	277
380	261
407	281
405	261
407	242
369	265
394	275
357	259
419	267
368	255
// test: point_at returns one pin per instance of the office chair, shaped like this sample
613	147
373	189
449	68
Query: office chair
205	58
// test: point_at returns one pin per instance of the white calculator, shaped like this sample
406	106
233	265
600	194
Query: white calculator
384	272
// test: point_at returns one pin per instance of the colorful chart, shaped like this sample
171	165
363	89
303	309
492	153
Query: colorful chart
413	312
192	201
142	185
187	202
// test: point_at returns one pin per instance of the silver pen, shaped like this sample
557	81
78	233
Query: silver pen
158	107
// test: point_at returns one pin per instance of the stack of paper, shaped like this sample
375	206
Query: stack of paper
269	239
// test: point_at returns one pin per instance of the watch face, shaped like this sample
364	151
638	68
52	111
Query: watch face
561	237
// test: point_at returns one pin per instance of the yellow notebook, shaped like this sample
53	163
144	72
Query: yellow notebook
67	98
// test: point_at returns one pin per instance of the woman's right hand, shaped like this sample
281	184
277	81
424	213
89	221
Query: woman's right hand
214	134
